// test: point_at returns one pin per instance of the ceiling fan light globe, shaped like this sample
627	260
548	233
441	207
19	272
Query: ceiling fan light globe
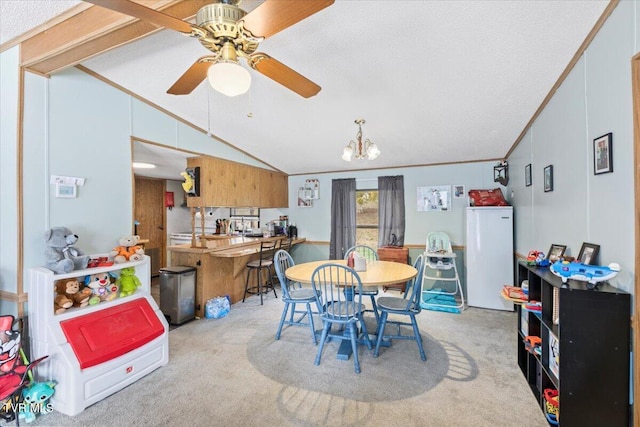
229	78
347	154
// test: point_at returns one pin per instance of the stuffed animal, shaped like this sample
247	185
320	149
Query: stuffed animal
70	293
129	250
102	289
128	282
35	398
61	256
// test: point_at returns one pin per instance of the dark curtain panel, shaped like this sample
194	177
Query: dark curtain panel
391	210
343	217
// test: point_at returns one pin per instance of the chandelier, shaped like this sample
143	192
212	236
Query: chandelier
368	150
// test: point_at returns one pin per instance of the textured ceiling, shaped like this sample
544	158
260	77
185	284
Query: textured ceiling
436	81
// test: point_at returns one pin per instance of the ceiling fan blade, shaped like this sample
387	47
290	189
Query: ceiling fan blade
284	75
273	16
192	77
144	13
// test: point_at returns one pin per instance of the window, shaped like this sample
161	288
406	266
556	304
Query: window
367	218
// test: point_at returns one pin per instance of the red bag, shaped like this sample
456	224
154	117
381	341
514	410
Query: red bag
487	198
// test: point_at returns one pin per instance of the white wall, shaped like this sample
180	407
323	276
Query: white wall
314	222
9	87
595	99
76	125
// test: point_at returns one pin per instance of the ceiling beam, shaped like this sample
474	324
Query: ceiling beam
92	32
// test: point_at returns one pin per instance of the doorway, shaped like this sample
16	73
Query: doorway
149	212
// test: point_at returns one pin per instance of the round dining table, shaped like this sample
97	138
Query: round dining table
377	273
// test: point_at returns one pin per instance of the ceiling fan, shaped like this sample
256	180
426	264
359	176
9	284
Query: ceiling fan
229	33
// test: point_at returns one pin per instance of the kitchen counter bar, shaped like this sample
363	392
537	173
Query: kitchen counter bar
221	266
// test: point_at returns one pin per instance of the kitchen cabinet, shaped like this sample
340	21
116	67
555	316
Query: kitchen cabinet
273	189
232	184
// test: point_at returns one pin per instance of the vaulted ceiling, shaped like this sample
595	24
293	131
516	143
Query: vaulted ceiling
436	81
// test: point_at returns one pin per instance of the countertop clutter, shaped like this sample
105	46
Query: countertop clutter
220	265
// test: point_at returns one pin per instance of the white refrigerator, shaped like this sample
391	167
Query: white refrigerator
489	255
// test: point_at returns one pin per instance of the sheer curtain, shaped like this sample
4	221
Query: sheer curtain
343	217
391	210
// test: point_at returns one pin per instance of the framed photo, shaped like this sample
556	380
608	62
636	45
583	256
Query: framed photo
548	178
555	252
603	154
588	253
458	191
66	191
527	175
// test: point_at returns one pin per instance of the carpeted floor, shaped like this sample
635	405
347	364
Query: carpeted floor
232	372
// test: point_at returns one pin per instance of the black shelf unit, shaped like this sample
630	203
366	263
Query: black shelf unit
594	337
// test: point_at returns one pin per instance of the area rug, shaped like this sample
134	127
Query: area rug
399	366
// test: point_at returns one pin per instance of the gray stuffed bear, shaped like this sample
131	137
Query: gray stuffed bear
61	256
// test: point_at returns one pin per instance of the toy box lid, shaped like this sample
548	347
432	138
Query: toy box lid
103	335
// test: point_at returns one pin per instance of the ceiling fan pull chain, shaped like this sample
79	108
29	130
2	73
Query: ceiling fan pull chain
250	113
208	111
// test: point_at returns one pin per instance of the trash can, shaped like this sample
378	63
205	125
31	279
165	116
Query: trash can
178	293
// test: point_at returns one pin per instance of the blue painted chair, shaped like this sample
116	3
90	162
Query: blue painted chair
338	288
369	254
402	307
293	293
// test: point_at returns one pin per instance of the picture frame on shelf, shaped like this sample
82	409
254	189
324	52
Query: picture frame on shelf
588	253
548	178
603	154
556	252
527	175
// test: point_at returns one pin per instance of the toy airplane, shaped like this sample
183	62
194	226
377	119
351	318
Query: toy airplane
583	272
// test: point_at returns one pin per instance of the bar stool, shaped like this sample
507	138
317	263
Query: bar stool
264	263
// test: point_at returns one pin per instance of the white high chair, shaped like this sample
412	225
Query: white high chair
440	275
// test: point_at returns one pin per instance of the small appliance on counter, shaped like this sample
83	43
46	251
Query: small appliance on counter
292	231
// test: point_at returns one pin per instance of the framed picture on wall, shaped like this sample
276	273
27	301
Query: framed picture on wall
548	178
527	175
602	154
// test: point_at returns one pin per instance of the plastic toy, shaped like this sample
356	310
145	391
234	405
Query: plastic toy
534	257
535	306
128	282
531	342
593	274
102	261
552	404
35	399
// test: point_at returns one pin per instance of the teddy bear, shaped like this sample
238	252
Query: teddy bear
61	256
129	250
102	289
70	293
128	282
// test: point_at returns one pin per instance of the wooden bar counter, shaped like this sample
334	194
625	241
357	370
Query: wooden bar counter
221	265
